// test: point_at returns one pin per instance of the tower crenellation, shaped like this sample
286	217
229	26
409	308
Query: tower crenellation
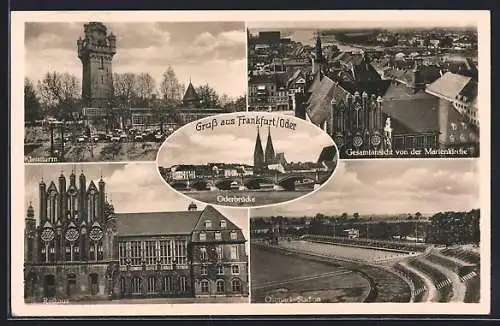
96	51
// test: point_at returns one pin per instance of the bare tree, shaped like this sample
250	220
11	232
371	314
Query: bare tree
32	108
144	87
170	88
59	92
224	100
125	87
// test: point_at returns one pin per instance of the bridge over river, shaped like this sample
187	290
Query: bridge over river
278	181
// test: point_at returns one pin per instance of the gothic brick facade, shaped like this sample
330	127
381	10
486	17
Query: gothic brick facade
79	248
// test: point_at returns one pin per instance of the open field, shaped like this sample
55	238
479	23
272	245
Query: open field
343	252
277	277
381	285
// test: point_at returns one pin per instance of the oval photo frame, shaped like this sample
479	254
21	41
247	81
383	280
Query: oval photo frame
247	159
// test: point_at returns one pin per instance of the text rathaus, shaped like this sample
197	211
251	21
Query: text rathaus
80	249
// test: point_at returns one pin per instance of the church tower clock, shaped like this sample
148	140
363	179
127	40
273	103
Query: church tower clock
96	53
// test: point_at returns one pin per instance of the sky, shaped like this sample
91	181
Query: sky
390	187
131	187
208	52
233	144
363	24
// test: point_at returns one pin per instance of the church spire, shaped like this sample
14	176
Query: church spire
270	155
258	154
318	48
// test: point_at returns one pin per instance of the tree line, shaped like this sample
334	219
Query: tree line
59	94
445	228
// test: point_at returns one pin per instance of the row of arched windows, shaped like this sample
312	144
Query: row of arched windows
51	251
54	213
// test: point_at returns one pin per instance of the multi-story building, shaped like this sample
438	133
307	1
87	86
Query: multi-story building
266	93
80	249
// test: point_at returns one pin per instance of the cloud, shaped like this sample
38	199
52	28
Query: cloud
206	52
133	187
391	187
235	144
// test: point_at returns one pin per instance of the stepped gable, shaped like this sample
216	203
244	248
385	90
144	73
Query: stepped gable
215	217
156	223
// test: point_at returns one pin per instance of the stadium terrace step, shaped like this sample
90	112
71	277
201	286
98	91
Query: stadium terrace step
417	284
439	280
467	256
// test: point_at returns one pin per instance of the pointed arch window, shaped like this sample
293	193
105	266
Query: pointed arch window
92	206
52	207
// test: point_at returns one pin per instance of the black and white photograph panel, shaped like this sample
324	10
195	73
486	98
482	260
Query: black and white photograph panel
380	89
115	91
247	159
113	233
400	231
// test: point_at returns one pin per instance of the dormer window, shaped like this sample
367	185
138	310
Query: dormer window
223	224
203	236
208	224
233	235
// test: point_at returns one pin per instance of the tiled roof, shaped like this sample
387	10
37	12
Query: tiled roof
316	82
416	112
170	223
263	78
449	85
214	216
317	109
190	94
157	223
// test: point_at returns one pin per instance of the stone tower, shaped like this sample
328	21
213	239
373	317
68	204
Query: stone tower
270	156
96	53
258	155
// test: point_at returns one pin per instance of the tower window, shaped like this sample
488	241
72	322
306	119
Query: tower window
102	79
101	63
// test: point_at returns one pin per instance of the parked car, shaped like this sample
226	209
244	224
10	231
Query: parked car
123	137
81	139
138	138
94	138
159	137
115	138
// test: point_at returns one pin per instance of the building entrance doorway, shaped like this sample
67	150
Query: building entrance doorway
49	286
71	285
